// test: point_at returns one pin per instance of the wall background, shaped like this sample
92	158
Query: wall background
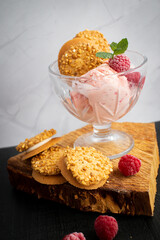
31	34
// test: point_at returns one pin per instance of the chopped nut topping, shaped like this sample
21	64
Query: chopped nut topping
23	146
94	41
47	161
88	165
80	64
97	39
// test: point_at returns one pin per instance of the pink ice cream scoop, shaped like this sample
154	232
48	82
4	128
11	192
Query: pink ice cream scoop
101	96
83	109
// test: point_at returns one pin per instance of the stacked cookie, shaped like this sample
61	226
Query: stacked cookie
78	55
45	166
85	167
82	167
44	157
31	147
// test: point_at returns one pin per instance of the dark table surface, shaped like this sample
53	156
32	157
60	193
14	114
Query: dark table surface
24	217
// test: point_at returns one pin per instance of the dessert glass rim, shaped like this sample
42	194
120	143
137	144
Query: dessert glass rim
71	78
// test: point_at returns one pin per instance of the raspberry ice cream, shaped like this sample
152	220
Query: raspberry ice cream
82	106
101	95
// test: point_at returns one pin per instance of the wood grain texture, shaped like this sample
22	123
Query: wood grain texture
133	195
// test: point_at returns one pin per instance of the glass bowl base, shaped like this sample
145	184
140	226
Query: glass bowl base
114	145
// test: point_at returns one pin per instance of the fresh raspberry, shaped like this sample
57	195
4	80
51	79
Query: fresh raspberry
74	236
106	227
120	63
134	78
129	165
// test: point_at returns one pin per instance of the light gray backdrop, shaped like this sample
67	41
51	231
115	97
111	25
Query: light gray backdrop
31	34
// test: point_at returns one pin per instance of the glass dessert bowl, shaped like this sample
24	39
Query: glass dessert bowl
100	97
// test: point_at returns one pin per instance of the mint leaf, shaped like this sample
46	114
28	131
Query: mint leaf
123	44
118	51
113	46
104	55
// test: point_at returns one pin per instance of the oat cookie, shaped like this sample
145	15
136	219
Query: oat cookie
78	55
45	166
46	162
40	149
48	180
28	143
97	39
78	58
85	167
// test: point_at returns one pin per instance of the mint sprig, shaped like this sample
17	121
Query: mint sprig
117	48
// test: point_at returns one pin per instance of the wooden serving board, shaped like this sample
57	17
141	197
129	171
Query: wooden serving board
134	195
